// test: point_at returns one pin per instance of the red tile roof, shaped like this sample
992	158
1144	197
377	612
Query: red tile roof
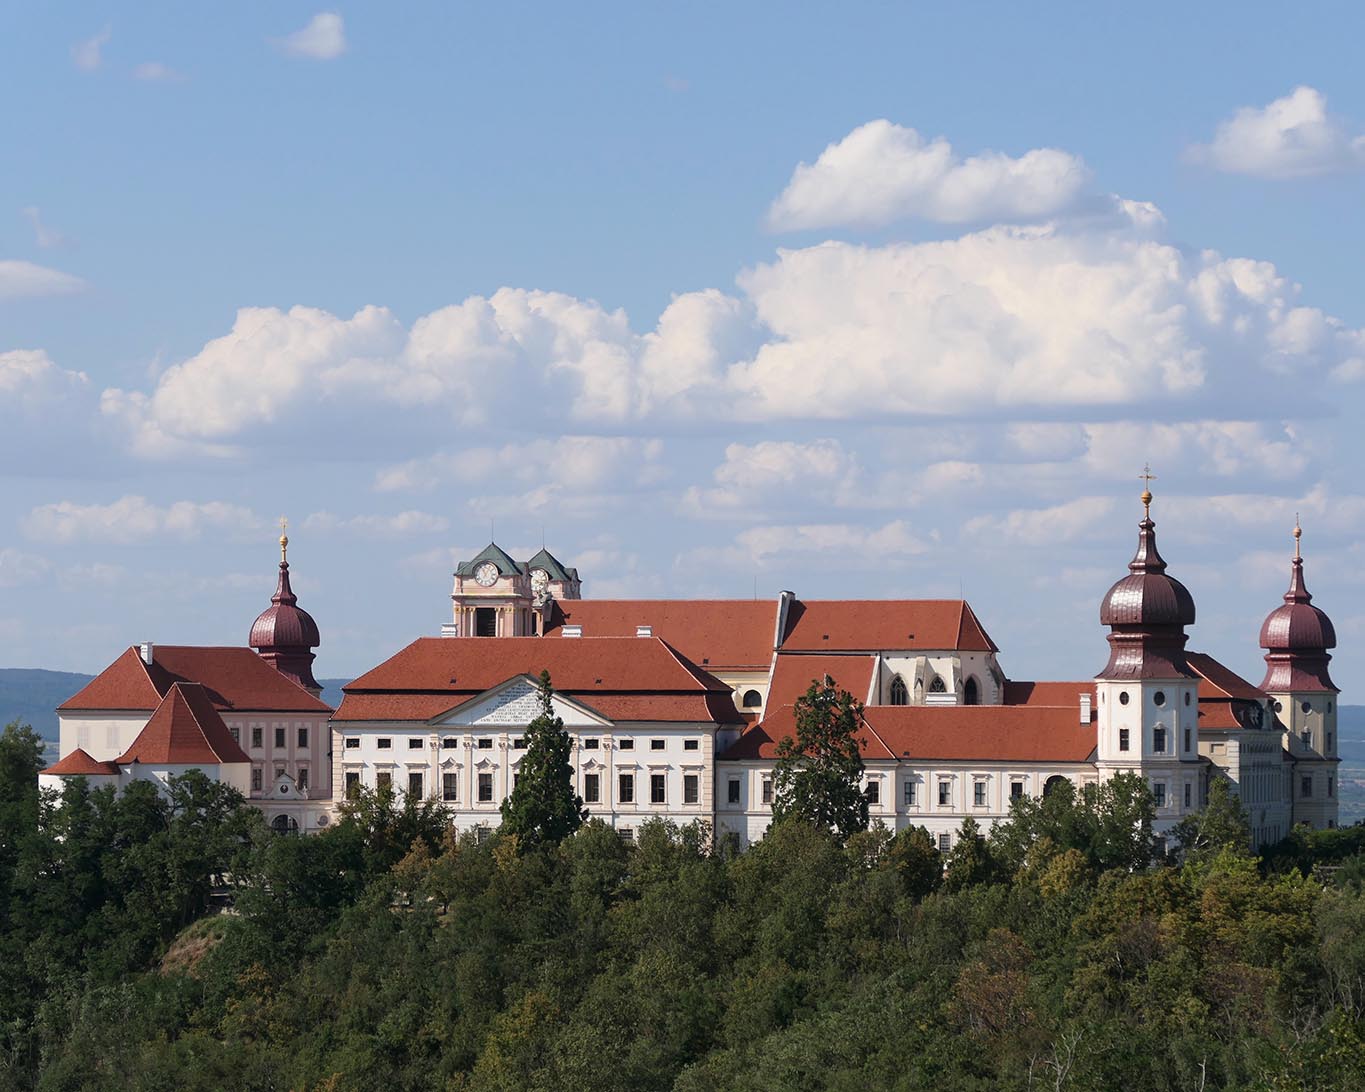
848	625
964	733
624	678
185	730
715	633
1222	682
237	680
79	763
793	674
1048	693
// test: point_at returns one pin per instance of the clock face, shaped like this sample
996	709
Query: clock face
486	574
540	580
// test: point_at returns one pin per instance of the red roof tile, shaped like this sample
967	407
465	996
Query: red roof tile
972	733
79	763
793	674
237	679
624	678
1222	681
848	625
185	730
1057	694
714	633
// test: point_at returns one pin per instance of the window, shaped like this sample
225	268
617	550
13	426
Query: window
945	843
383	743
690	788
302	779
1159	741
485	788
625	788
1329	742
449	743
657	789
899	695
945	793
873	792
1052	783
1123	697
1159	698
1307	707
1159	794
485	744
415	784
279	772
256	738
1123	739
752	699
625	745
767	790
910	794
450	786
255	779
1306	738
656	745
1329	787
414	743
303	737
1187	697
592	788
485	622
1187	739
732	791
1187	794
979	793
352	784
236	735
626	835
383	781
691	744
591	744
971	693
352	742
1016	790
938	686
279	738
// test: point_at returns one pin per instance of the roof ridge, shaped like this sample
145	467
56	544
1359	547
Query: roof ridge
700	674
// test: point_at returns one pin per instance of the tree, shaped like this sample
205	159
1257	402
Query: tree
969	861
1222	824
543	809
819	771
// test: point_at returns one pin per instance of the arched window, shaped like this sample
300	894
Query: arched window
752	699
937	686
899	694
284	824
1051	783
971	693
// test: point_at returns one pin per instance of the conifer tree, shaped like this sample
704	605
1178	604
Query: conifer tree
819	772
543	808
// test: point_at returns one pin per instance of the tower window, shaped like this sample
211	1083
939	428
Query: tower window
1159	741
1159	698
971	693
752	699
1187	697
1187	794
1187	739
938	686
1307	707
1306	738
1123	739
1123	697
1329	786
1306	786
899	694
767	790
1159	794
732	791
485	622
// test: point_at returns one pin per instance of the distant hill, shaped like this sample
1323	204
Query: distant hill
31	695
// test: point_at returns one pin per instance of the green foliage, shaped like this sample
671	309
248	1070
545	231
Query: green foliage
818	776
543	808
1221	825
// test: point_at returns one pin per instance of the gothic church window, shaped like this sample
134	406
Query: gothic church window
899	694
938	686
971	693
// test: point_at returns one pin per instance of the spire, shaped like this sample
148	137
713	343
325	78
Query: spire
284	633
1297	635
1298	591
284	540
1147	478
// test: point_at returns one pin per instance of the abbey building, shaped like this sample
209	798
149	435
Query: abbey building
676	707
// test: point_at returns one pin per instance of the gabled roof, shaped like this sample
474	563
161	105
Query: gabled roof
185	730
623	678
793	674
870	625
1222	681
79	764
494	553
1056	694
714	633
963	733
547	561
236	679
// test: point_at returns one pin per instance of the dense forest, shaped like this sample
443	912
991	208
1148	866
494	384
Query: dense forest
387	953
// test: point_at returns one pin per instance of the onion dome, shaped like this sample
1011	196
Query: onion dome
1296	637
284	633
1147	612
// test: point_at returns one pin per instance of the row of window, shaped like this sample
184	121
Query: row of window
1306	738
910	789
592	787
900	693
1158	740
300	777
1306	786
485	743
281	737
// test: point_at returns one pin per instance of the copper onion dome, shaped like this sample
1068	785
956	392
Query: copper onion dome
284	633
1296	637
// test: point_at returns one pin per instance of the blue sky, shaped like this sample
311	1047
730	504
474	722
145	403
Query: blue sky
875	300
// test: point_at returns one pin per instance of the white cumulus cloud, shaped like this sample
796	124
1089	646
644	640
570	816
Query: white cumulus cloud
134	518
20	278
398	525
1291	137
882	172
1040	526
322	39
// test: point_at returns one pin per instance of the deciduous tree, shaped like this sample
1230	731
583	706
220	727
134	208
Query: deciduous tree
819	772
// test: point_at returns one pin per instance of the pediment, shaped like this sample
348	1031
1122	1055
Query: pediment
514	704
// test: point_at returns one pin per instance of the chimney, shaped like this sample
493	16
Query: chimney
1085	708
571	631
644	631
147	650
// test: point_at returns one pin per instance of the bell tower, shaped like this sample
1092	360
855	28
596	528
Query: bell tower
1148	717
492	597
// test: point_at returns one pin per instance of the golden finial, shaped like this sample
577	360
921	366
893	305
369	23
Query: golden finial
1147	477
1298	534
284	539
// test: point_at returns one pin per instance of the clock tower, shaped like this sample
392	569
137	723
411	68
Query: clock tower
495	596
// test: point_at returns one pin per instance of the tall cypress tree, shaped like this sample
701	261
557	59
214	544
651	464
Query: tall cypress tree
543	808
819	772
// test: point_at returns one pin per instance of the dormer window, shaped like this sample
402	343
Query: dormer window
899	694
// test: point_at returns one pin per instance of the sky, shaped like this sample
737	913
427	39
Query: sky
859	300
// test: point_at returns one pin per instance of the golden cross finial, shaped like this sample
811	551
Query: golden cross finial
1298	534
1147	478
284	539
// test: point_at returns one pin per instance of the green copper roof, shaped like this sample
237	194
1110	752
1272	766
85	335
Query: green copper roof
494	553
547	561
